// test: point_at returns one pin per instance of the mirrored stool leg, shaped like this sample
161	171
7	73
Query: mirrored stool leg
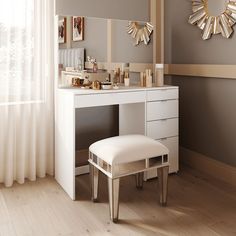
139	180
163	184
94	177
113	188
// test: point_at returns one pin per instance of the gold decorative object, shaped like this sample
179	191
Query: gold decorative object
141	33
96	85
221	24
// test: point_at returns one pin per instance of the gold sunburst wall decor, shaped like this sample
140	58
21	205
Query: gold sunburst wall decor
221	24
141	33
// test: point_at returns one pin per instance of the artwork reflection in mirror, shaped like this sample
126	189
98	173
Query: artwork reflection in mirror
78	28
62	30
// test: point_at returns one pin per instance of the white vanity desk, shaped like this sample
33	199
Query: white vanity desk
149	111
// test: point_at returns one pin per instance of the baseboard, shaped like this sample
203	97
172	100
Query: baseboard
208	166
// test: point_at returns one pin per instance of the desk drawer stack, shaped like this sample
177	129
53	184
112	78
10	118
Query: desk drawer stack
162	119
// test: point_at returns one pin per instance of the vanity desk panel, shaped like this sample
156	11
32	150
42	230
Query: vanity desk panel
148	111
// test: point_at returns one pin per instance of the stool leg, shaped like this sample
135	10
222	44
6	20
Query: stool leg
139	180
163	184
113	188
94	177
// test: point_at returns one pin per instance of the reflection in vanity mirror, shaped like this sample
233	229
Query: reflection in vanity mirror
109	43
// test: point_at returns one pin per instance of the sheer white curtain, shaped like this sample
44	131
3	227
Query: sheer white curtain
26	89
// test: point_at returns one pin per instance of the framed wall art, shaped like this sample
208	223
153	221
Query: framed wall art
77	28
62	30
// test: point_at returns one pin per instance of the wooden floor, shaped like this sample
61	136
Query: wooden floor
196	206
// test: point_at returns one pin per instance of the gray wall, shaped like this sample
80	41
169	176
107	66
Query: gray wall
207	105
108	9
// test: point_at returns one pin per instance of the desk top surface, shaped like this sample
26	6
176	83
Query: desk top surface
81	91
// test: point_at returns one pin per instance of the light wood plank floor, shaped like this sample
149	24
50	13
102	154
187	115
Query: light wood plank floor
196	206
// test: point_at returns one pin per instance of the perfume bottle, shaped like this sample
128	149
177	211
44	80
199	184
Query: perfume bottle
79	64
148	78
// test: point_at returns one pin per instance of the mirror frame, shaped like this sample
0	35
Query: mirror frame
211	25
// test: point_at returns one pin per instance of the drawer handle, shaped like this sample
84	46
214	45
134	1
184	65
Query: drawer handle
163	139
164	120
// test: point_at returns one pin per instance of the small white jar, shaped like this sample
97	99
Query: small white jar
159	81
149	81
127	82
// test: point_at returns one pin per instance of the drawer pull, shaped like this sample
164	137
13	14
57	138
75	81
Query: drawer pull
163	139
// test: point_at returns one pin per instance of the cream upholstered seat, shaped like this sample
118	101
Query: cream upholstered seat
125	155
127	148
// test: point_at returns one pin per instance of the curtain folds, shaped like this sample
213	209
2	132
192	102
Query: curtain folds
26	90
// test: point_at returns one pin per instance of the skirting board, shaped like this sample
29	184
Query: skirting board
208	166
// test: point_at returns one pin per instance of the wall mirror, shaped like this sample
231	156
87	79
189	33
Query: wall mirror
107	41
214	17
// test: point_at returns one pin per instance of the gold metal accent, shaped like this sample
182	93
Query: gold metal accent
140	33
76	82
221	24
96	85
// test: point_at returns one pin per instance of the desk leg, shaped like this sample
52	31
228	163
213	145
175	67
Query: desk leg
65	142
163	184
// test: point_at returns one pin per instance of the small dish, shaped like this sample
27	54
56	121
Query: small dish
106	85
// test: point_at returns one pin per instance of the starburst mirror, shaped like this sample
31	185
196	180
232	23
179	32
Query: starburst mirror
214	17
140	32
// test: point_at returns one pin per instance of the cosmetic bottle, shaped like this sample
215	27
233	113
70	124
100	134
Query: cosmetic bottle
148	78
159	80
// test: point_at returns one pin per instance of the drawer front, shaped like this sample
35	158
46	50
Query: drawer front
173	145
162	94
103	99
163	128
162	109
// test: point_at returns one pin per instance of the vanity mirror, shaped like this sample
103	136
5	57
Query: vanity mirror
214	17
108	42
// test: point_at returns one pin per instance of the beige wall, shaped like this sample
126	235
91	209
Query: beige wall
207	105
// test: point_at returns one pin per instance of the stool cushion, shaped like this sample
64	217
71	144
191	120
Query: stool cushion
127	148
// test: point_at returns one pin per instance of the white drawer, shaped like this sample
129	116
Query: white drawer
103	99
162	109
162	94
163	128
173	145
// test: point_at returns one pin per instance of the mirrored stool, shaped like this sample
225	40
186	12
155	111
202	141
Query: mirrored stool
126	155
